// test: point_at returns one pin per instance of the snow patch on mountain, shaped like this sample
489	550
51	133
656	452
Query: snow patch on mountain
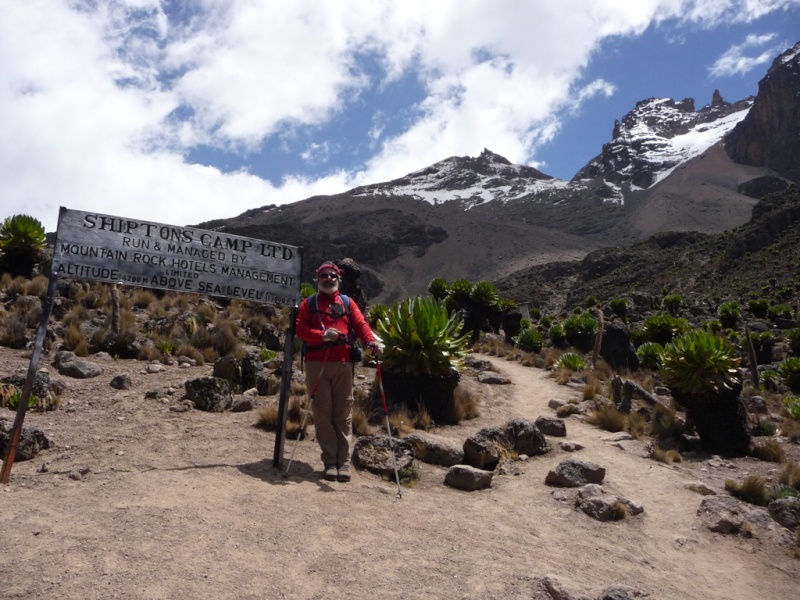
472	181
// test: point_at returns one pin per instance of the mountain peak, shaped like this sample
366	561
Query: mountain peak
657	135
469	180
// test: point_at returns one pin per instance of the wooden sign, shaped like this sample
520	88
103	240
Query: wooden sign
112	249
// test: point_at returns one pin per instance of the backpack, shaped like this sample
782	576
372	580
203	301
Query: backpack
350	340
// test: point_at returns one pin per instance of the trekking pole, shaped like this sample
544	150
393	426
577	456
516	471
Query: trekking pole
389	432
305	416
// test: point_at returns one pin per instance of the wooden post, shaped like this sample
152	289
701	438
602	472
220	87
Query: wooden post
33	368
286	381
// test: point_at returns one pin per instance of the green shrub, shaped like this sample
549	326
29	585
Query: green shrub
462	287
525	324
556	334
790	371
22	239
792	404
375	313
729	313
793	335
438	288
307	290
571	361
265	354
662	328
781	490
714	325
758	307
530	340
673	303
619	306
420	336
485	293
579	331
591	300
779	311
545	321
701	363
650	355
536	314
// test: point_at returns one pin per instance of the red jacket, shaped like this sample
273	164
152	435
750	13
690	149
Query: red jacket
310	327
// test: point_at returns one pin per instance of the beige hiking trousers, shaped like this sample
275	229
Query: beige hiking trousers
332	409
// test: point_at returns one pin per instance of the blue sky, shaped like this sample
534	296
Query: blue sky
180	112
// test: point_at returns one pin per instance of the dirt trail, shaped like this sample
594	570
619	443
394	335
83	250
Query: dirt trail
188	505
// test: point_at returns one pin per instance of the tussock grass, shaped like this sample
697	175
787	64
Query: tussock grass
465	403
37	287
664	423
790	474
566	410
267	417
14	332
607	417
636	425
189	351
593	386
666	456
769	451
752	490
790	428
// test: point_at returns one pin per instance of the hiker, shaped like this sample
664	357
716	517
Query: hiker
329	323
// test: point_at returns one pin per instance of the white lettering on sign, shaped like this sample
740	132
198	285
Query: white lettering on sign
134	252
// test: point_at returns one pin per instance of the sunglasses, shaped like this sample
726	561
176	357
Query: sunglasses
328	276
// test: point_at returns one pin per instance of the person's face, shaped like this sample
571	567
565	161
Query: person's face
328	281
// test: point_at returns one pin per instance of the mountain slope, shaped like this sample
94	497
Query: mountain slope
484	218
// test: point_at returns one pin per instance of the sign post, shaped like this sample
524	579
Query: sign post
114	250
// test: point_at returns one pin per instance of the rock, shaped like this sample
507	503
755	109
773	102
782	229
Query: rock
80	369
621	592
434	450
211	394
482	450
575	473
593	500
551	426
252	365
230	369
786	511
465	477
490	377
32	440
121	382
242	404
559	590
374	453
526	438
721	514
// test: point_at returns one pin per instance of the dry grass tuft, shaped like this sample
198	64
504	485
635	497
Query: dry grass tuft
186	349
37	287
593	386
664	423
790	428
267	417
401	421
14	332
752	490
769	451
790	474
636	425
607	417
666	456
566	410
465	403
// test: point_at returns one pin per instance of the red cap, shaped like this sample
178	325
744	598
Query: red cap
329	266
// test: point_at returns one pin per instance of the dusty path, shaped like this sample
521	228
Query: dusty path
189	506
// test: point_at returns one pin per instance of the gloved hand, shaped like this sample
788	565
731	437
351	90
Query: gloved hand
376	348
330	335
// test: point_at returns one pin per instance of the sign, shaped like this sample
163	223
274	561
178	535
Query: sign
183	259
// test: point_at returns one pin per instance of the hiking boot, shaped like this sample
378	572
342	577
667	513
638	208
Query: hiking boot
329	474
344	473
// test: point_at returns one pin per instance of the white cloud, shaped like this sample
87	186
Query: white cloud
734	61
101	102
